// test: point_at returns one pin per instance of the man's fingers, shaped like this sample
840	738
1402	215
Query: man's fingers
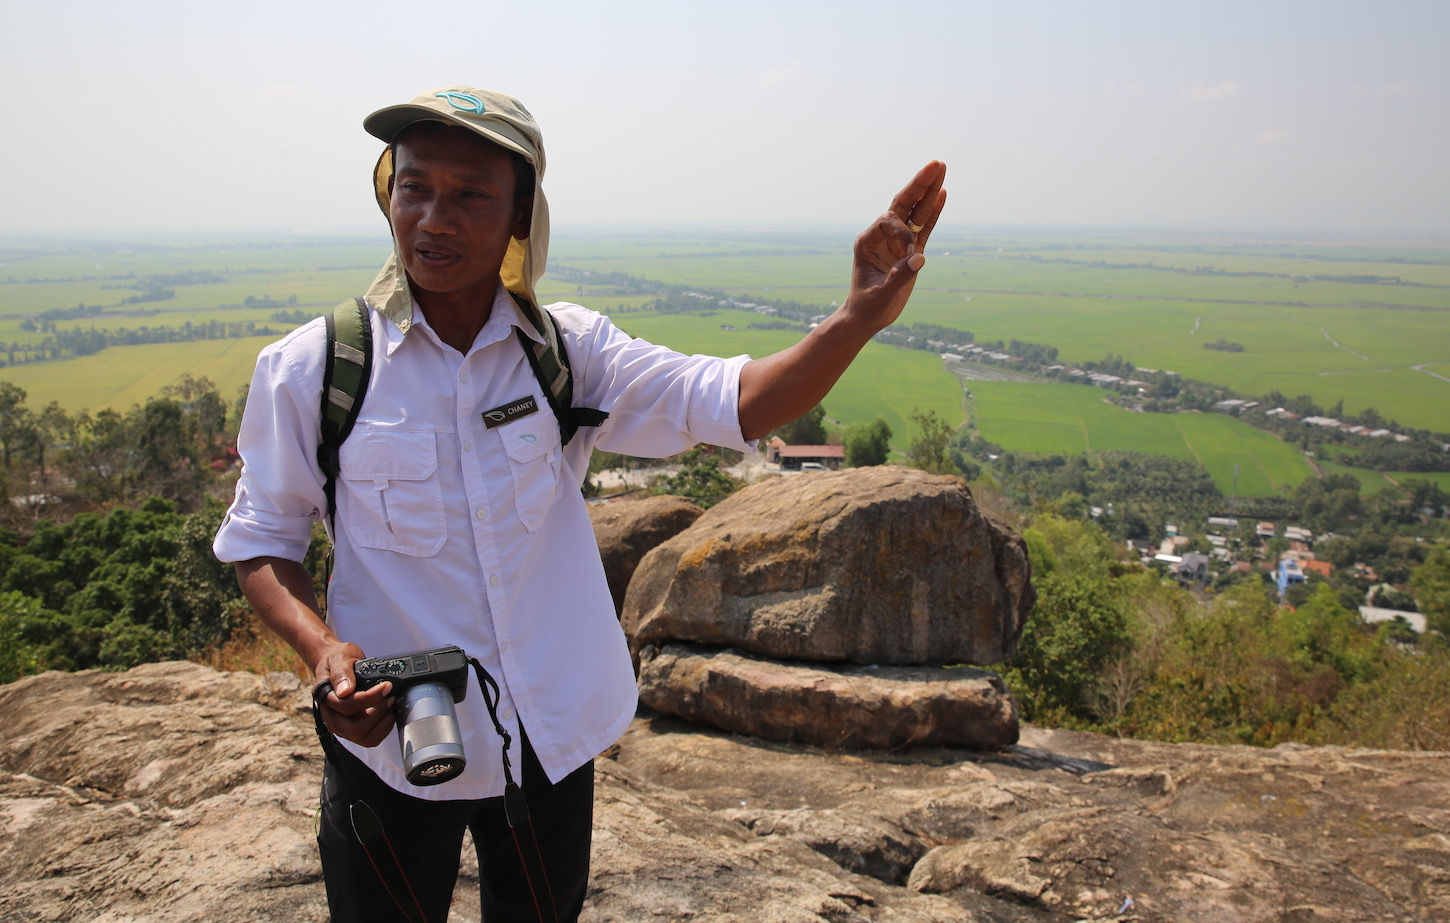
360	702
922	188
929	218
369	727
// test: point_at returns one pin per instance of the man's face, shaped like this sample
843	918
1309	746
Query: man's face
453	210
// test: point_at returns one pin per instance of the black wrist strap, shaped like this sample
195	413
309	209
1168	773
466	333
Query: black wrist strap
516	807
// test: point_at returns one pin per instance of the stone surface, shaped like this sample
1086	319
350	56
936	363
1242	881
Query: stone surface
175	793
628	529
169	792
839	706
879	565
1074	827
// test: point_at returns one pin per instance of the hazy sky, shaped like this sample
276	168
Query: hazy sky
1323	116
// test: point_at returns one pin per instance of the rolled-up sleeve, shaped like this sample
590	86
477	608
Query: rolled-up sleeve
660	402
280	492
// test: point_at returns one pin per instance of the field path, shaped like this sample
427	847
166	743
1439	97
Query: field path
1421	368
1188	442
1265	471
1337	345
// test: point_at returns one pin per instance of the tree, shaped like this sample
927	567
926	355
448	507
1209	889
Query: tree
699	479
867	443
1431	581
13	418
807	429
18	656
1074	632
1076	629
931	450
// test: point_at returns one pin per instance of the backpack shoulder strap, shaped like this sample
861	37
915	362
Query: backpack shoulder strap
347	367
551	368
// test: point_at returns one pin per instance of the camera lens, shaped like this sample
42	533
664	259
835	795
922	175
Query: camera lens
428	734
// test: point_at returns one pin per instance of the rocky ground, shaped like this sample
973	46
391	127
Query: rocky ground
172	792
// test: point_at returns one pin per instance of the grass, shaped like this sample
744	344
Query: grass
1070	291
254	648
1069	419
125	375
1040	290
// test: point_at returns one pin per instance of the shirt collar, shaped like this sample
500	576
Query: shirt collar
504	316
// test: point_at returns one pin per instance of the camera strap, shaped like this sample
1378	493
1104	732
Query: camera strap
516	807
324	736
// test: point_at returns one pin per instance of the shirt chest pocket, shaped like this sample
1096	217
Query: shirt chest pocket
534	453
393	499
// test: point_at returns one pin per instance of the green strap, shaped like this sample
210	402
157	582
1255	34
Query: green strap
553	375
550	362
347	368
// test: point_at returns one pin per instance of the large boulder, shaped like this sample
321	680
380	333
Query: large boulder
851	706
627	530
880	565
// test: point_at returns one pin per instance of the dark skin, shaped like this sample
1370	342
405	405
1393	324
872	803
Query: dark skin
781	387
454	206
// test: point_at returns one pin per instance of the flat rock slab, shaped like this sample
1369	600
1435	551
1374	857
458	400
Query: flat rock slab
831	705
172	794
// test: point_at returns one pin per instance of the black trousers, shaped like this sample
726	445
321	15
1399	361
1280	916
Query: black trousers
425	838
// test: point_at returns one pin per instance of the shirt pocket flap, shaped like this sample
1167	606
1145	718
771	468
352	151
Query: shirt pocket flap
389	456
526	440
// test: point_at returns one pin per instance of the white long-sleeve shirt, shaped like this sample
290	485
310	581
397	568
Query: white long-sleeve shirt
451	532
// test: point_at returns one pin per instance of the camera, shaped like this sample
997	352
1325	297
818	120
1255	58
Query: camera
426	685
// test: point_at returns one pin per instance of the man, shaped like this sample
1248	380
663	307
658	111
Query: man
453	530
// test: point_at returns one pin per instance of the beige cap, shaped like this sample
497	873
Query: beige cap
502	120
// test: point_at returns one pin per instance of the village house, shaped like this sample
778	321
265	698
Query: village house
804	457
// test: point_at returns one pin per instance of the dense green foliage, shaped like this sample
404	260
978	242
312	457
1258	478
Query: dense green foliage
807	429
699	478
1114	648
54	462
867	443
931	447
1431	581
114	591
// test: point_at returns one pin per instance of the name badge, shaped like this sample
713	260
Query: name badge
510	411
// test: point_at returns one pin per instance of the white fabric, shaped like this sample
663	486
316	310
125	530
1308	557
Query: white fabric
451	533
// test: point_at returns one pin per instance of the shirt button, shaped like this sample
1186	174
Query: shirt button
468	447
493	580
463	376
480	513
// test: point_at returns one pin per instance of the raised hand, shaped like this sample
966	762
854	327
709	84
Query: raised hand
889	253
784	385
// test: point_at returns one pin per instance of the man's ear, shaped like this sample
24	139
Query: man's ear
524	220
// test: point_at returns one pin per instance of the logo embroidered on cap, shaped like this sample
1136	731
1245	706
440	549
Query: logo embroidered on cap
465	101
510	411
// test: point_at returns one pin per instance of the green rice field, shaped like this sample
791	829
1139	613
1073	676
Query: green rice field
1369	345
1354	321
1067	419
119	377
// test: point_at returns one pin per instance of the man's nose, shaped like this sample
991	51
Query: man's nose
438	216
